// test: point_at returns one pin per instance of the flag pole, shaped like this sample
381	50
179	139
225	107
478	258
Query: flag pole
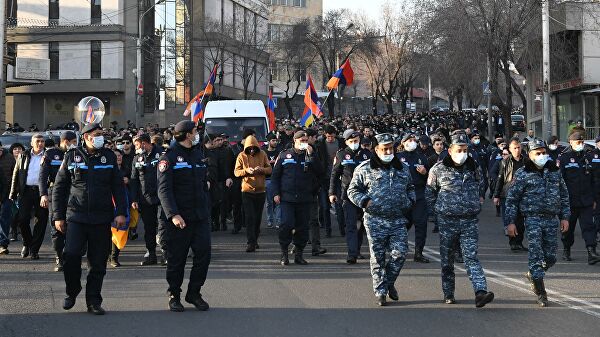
326	98
204	93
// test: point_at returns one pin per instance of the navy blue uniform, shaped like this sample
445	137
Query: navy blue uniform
576	169
596	172
88	192
183	191
48	170
418	213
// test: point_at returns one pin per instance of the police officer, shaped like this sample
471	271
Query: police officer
183	194
295	180
576	168
483	156
144	195
540	194
383	188
87	184
455	192
346	160
49	168
417	165
596	171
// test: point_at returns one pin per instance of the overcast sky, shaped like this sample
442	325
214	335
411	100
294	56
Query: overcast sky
370	7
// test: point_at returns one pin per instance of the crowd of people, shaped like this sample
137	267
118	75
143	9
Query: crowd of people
382	176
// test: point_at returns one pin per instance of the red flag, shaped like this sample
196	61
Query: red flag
271	111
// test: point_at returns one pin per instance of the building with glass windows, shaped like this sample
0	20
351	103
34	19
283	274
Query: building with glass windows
79	48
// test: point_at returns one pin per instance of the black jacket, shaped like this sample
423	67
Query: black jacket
596	172
295	176
182	183
89	188
576	169
19	177
143	184
49	169
411	159
323	156
506	172
344	164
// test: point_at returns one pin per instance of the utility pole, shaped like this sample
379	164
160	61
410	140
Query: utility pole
429	92
489	102
546	105
2	82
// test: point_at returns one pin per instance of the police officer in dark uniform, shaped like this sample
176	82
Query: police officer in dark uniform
417	164
346	160
596	171
49	168
576	168
183	193
87	184
144	195
295	180
483	155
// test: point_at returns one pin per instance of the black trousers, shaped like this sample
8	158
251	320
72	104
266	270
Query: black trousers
98	240
585	217
162	229
196	235
294	225
233	203
418	215
29	203
254	204
149	214
58	238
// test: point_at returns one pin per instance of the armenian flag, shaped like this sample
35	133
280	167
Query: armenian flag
311	100
271	111
195	107
344	75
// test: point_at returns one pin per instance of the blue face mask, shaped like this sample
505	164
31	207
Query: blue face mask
98	142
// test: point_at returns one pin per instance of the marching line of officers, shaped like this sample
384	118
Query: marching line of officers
383	193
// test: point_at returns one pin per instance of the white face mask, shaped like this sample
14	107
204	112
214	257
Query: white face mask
302	146
577	147
139	151
196	139
354	146
541	160
71	146
459	158
386	158
120	147
553	147
476	141
410	146
98	142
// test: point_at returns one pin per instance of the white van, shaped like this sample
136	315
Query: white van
233	117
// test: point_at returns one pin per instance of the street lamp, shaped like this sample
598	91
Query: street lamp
138	106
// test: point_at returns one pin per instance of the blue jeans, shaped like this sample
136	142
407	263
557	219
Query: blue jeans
5	220
273	210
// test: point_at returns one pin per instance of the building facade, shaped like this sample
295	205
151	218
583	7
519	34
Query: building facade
91	46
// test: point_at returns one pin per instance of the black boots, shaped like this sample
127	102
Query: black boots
483	297
298	259
149	260
285	260
197	301
540	290
96	309
381	300
69	303
593	257
567	254
419	256
393	293
175	303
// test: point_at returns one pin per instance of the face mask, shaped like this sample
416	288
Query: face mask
196	140
578	147
98	142
541	160
410	146
71	146
476	141
139	151
459	158
302	146
552	147
386	158
120	146
354	146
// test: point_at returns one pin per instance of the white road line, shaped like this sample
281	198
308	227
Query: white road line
513	283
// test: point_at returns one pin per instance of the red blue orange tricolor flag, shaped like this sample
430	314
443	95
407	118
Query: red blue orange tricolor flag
344	75
311	100
271	111
195	107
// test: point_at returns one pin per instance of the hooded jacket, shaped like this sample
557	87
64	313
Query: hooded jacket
252	183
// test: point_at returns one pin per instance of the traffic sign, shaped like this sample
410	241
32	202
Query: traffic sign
140	89
486	89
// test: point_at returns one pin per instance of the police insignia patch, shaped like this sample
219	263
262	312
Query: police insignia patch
288	156
163	165
403	159
179	158
103	160
572	160
141	159
347	156
364	156
56	157
157	156
77	159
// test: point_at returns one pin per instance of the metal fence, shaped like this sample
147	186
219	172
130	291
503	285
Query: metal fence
592	132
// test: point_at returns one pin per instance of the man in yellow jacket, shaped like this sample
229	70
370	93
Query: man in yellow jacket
252	165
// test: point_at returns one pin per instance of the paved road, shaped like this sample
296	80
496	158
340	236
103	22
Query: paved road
251	295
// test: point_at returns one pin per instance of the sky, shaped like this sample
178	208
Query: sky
371	7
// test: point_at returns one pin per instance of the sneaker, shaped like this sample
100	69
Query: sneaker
270	225
4	250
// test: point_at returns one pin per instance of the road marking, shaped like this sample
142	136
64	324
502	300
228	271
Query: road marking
513	283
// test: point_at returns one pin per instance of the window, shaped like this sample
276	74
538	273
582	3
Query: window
96	59
11	12
275	2
53	12
53	56
96	12
297	3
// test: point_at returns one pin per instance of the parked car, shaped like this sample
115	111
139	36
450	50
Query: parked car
9	138
518	122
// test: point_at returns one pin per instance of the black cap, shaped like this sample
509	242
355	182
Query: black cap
68	135
576	136
536	144
384	138
349	134
300	134
407	136
366	141
424	139
459	139
90	127
497	135
49	142
552	139
184	126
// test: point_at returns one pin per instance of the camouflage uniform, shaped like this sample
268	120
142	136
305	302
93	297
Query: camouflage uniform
454	193
391	192
540	197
